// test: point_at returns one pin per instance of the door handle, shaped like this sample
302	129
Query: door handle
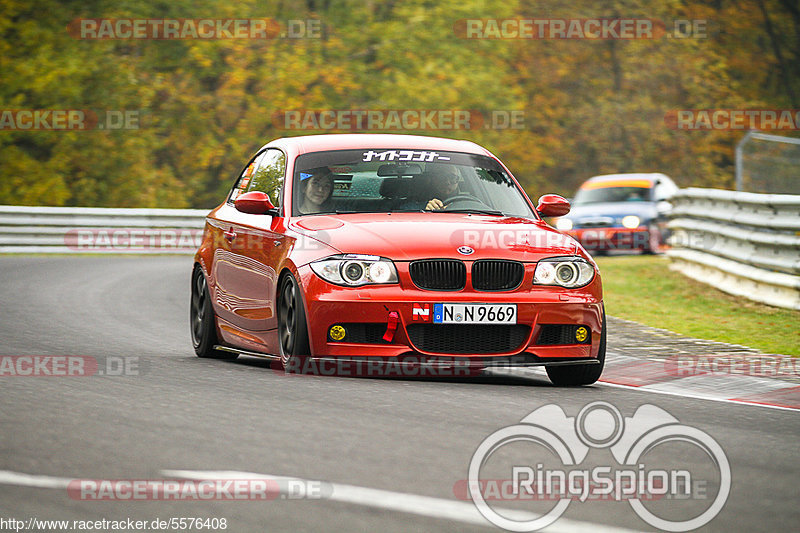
230	235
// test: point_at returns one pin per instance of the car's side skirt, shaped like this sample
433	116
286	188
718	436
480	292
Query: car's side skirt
246	352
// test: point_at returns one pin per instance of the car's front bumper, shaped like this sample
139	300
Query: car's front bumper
365	315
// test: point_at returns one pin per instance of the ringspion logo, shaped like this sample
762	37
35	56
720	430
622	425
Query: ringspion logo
675	477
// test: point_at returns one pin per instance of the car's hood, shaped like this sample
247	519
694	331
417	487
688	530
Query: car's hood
643	210
409	236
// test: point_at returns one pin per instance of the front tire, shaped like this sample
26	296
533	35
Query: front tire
575	375
202	321
292	327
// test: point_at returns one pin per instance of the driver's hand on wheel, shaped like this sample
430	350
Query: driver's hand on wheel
434	205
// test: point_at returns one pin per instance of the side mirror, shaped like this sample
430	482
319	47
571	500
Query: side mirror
663	207
255	203
552	205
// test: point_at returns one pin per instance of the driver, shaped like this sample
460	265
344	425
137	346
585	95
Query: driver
443	183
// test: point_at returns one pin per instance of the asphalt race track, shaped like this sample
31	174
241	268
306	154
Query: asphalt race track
393	449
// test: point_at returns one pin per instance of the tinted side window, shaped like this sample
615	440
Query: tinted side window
268	175
243	182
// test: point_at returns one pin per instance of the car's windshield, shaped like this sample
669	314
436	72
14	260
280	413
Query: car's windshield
611	194
386	180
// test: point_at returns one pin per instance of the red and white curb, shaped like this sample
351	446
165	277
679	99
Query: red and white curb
718	377
714	377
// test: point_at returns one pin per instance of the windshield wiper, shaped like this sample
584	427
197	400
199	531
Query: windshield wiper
336	212
474	211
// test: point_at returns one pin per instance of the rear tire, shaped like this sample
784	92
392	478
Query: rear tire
292	327
202	321
575	375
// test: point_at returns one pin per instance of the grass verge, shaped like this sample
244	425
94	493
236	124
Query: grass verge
643	289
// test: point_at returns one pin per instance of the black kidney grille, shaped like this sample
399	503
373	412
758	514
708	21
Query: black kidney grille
468	338
439	274
497	275
555	334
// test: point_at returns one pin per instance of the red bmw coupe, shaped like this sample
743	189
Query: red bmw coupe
415	250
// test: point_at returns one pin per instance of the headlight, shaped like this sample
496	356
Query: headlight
354	270
630	221
570	272
564	224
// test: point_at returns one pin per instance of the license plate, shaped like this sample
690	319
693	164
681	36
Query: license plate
474	313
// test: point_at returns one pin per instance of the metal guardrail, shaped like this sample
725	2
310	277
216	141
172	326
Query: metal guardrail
746	244
96	230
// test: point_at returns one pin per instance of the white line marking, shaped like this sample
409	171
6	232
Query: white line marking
27	480
383	499
403	502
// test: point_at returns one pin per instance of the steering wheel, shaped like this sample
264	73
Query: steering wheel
462	198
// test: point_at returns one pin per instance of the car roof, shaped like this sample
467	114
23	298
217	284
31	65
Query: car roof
353	141
619	179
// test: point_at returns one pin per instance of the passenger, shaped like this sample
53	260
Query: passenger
316	192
